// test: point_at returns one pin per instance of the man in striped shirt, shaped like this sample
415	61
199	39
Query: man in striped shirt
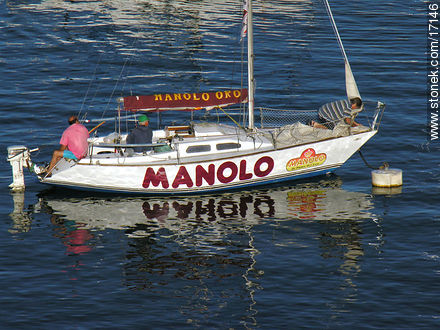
330	114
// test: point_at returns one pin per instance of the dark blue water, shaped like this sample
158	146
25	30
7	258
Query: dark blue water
329	252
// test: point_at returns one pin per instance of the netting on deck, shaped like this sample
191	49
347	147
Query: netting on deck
298	133
268	118
370	116
265	118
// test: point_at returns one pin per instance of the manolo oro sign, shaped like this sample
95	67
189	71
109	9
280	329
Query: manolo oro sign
184	101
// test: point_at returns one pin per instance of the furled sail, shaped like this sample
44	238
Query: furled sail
184	101
350	83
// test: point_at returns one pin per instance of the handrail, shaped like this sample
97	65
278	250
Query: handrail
116	145
378	115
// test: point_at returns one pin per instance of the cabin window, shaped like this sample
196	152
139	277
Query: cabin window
199	148
226	146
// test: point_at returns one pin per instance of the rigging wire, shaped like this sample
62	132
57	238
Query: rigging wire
350	82
335	30
90	85
126	64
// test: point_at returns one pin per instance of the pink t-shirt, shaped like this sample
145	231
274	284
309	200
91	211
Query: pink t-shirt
75	138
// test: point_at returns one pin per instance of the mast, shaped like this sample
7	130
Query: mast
251	82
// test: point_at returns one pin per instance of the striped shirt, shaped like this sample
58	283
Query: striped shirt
335	111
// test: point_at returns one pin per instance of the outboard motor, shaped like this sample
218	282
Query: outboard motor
19	157
16	157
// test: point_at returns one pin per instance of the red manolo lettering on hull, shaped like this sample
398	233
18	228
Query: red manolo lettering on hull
225	173
155	178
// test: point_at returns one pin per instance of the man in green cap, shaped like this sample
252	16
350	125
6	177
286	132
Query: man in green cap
141	134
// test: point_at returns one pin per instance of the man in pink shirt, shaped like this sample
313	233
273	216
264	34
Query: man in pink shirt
73	143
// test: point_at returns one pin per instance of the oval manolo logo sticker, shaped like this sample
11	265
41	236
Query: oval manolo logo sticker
308	158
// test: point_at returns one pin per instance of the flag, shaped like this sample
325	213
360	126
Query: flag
244	21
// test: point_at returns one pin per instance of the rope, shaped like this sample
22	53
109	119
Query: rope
235	122
368	165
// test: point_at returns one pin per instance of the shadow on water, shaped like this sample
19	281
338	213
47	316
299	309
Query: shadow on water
202	247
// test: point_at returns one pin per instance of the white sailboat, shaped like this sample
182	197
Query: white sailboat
209	157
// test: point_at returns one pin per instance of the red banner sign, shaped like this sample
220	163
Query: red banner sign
185	101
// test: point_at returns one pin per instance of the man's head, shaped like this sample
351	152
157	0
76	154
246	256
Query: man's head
356	103
73	120
143	120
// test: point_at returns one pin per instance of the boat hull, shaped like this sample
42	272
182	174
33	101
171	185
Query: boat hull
237	172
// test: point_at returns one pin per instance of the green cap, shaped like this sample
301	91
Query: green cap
143	118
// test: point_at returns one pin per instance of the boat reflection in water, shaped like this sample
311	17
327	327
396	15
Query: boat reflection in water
324	200
203	249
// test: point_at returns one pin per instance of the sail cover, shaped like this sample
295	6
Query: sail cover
184	101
